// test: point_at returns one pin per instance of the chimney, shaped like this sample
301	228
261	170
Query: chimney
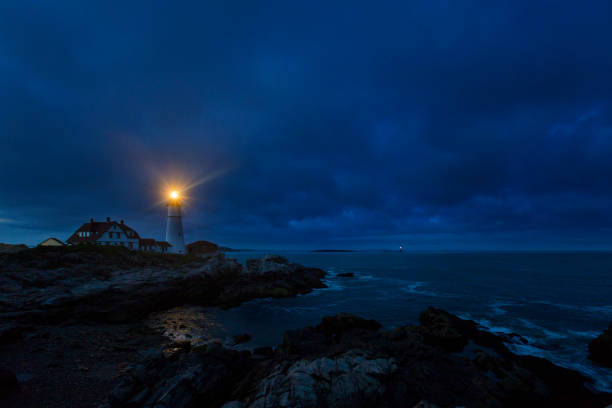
121	222
91	220
107	219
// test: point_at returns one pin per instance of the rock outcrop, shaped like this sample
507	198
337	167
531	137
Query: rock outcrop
202	247
271	276
346	361
8	383
117	285
269	263
11	248
600	348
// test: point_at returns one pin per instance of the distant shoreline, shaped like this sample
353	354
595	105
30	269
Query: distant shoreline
332	250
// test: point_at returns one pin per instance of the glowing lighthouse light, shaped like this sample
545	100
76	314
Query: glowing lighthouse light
174	225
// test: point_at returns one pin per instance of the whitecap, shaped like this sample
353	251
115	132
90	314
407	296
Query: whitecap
550	334
414	288
497	306
605	309
585	333
367	277
602	381
333	285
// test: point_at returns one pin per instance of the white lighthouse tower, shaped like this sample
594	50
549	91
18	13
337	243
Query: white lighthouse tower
174	227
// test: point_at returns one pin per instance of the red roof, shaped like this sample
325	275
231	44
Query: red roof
97	229
52	239
151	242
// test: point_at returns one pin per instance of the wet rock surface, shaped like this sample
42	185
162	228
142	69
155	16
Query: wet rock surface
600	348
346	361
117	285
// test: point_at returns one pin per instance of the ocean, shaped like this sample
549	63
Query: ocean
557	301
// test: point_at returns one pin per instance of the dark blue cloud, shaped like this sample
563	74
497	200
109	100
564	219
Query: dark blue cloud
435	124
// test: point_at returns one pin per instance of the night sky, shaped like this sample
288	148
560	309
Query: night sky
435	125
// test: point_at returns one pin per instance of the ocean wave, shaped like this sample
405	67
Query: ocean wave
415	288
536	347
549	334
605	309
333	285
497	306
367	277
298	309
602	381
488	326
585	333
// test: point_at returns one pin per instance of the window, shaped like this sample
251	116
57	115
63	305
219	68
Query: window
131	245
118	235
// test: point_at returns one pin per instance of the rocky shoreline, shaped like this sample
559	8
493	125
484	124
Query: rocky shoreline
115	285
600	348
346	361
72	318
75	331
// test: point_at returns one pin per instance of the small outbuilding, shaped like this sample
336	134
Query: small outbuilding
53	242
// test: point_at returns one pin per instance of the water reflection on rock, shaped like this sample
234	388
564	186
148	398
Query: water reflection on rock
195	324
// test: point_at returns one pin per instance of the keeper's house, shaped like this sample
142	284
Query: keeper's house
116	234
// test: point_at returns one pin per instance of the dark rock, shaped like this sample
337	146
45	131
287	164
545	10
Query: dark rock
242	338
512	338
11	249
8	383
275	259
189	379
600	348
269	263
107	285
270	280
263	351
201	247
346	361
440	328
346	275
450	333
10	333
340	323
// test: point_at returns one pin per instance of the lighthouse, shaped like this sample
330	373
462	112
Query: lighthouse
174	227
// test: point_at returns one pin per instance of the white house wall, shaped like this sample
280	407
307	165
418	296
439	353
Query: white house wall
106	239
